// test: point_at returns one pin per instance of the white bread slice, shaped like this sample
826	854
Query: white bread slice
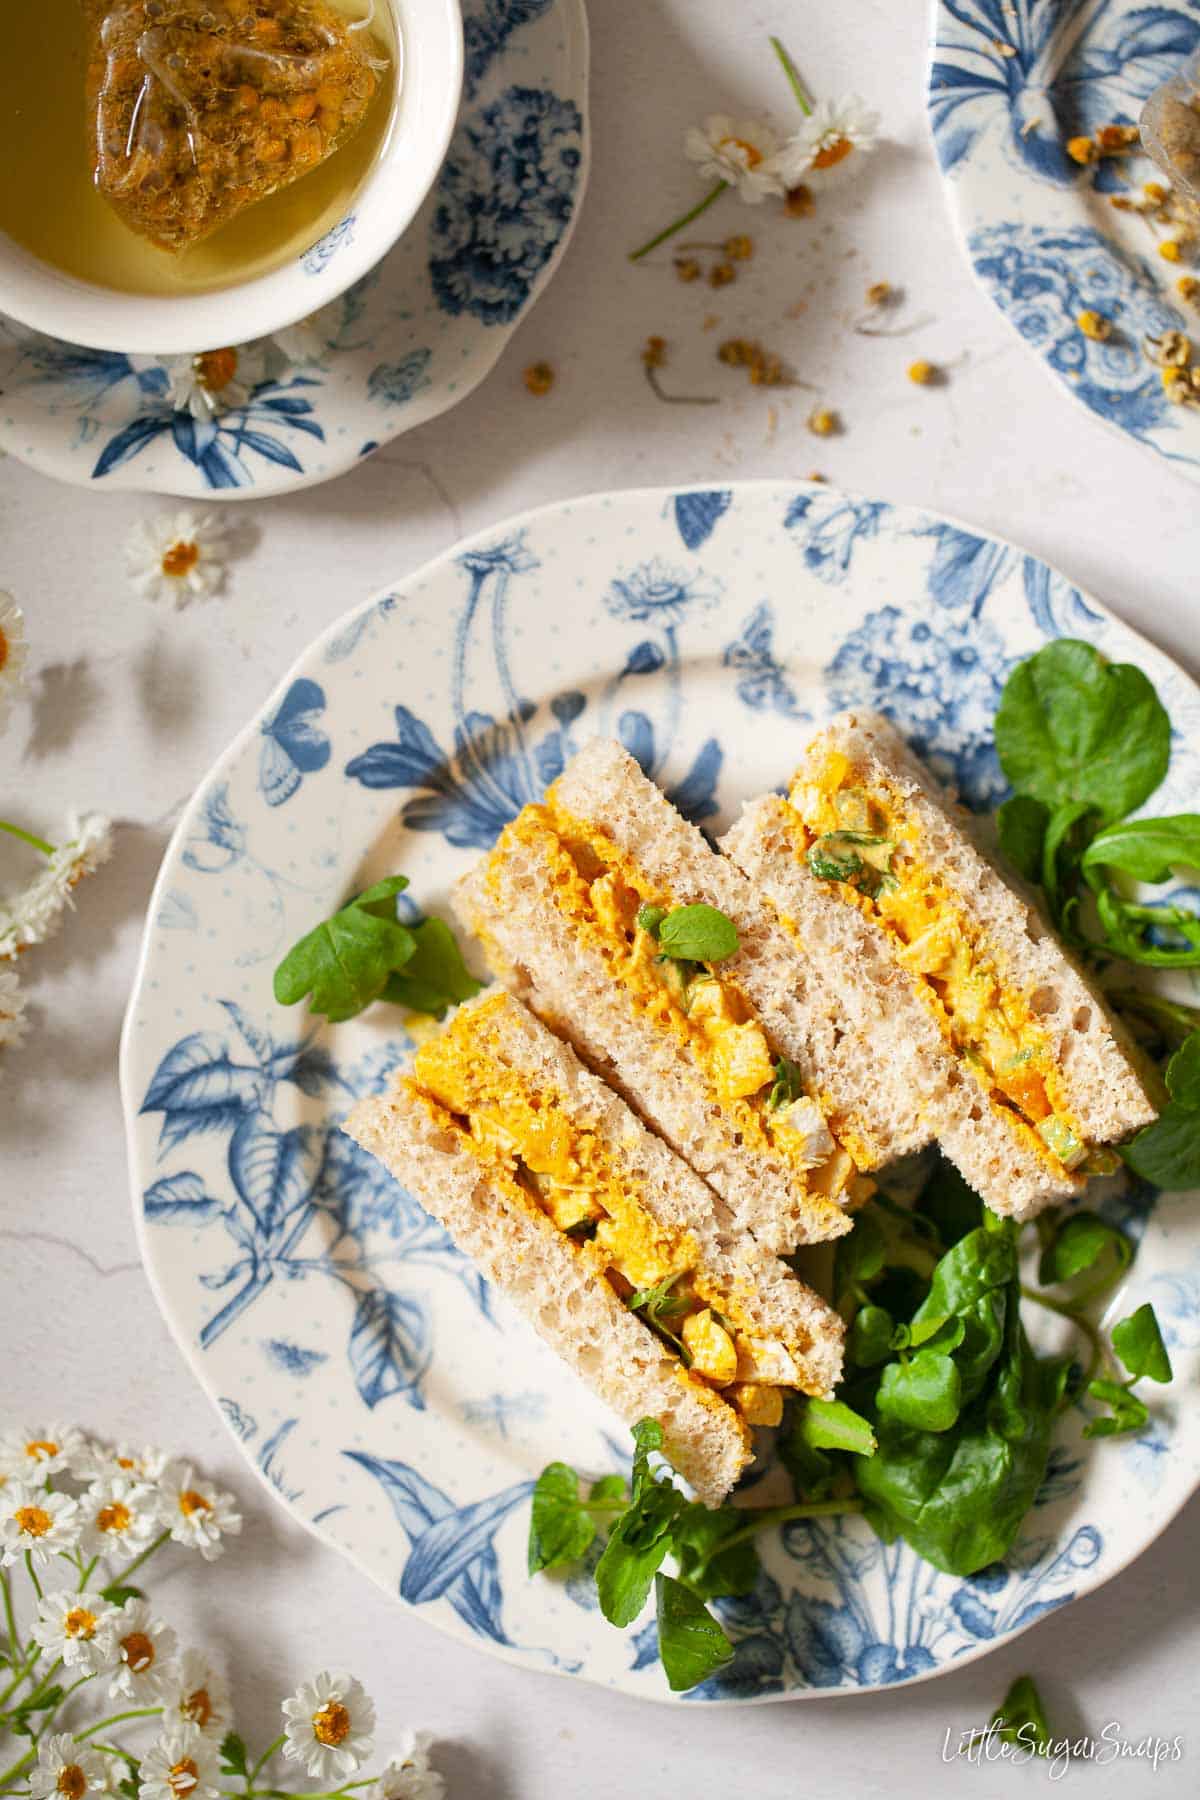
789	1335
999	1163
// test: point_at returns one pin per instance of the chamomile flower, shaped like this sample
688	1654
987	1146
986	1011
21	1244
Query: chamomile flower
831	141
79	1628
36	1521
737	151
182	1765
66	1770
12	1030
136	1462
145	1668
196	1513
216	381
410	1776
118	1516
328	1724
12	651
309	341
199	1696
177	557
34	913
33	1452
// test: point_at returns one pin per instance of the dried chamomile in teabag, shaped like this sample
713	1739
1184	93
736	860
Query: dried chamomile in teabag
1170	126
200	108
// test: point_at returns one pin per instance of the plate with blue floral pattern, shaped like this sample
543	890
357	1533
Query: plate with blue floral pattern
391	1399
405	343
1011	83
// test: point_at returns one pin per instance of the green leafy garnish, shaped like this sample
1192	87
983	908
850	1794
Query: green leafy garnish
690	1641
924	1390
1020	1717
1148	849
1076	1243
862	859
363	953
1021	823
1138	1342
832	1425
659	1306
870	1337
788	1085
1167	1153
641	1537
698	933
560	1529
649	918
1074	728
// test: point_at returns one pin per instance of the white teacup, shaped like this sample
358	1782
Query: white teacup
425	104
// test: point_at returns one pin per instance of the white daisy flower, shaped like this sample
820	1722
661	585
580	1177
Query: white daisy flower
215	381
740	152
12	1030
36	1521
145	1648
182	1765
136	1462
35	913
177	557
199	1696
119	1517
80	1629
833	139
410	1776
32	1453
196	1513
309	341
13	651
66	1770
328	1724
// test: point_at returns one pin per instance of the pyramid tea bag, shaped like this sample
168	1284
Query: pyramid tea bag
200	108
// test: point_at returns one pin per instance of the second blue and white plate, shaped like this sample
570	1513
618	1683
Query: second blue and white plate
391	1399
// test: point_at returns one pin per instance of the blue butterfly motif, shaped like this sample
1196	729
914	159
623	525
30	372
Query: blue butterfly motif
293	743
762	684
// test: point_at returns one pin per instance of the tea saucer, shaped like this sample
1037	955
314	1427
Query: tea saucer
404	344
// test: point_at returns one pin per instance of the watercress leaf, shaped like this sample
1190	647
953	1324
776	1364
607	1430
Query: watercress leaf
1128	1412
1079	1241
649	918
1073	727
970	1283
832	1425
690	1641
707	1569
811	1470
859	1258
698	933
1167	1153
1020	1717
233	1754
1183	1074
1148	849
948	1203
435	975
608	1487
559	1529
1138	1342
870	1337
641	1537
936	1333
344	963
925	1391
1021	824
1066	838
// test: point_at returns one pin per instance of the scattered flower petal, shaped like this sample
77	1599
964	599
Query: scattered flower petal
79	1628
177	557
146	1648
196	1513
329	1723
35	1520
66	1770
740	152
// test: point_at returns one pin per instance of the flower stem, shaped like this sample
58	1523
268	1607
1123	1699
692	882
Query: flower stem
700	206
137	1712
27	837
32	1574
44	1680
262	1762
762	1518
14	1769
138	1560
10	1619
793	74
86	1571
1099	1355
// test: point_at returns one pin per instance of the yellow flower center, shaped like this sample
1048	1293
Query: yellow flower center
80	1623
332	1724
116	1517
182	1777
198	1707
126	1462
138	1651
180	558
39	1448
215	369
832	154
753	153
34	1521
191	1502
72	1782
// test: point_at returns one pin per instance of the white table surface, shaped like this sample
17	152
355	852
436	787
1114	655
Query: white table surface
130	704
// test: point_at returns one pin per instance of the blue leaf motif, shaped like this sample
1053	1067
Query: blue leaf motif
645	1646
294	745
697	515
880	1664
180	1199
828	527
825	1640
757	1668
974	1617
644	659
199	1050
394	383
273	1171
219	839
389	1347
1058	608
965	567
1037	1609
448	1548
696	795
414	760
637	734
129	442
293	1359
